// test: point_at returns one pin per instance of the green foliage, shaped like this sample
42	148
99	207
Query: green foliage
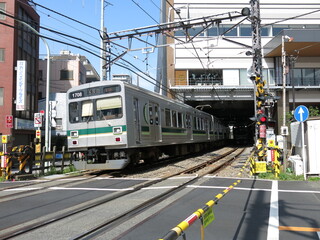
314	179
2	178
282	176
69	169
314	111
52	171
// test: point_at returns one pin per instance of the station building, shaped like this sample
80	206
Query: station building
212	71
18	43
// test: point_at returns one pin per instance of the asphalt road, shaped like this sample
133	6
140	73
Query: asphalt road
254	209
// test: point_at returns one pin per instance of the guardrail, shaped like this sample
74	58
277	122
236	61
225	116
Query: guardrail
39	163
55	159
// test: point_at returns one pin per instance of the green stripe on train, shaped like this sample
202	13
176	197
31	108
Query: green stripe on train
89	131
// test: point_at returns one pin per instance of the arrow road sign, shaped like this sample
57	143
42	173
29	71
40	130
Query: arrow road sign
301	113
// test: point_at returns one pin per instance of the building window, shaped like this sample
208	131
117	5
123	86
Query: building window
228	30
1	54
306	77
1	96
205	77
66	74
3	8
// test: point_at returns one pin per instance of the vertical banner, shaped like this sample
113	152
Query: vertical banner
21	85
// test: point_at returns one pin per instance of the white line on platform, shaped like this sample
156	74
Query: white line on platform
92	189
71	179
318	234
255	189
236	188
21	189
183	177
155	188
137	179
273	227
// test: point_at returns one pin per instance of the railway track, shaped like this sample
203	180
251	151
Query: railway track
212	166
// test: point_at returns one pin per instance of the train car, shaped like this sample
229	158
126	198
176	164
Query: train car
112	124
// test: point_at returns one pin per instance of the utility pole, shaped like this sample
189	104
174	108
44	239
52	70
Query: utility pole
103	45
260	95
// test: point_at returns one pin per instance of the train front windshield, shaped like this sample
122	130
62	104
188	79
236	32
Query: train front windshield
96	109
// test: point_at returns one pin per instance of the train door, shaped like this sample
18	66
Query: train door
87	120
136	121
189	126
207	128
155	123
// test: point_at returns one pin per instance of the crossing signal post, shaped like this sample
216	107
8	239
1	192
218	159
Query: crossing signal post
261	118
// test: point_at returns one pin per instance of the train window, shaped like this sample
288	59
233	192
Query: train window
174	119
156	113
180	120
109	108
86	111
74	112
112	89
151	114
188	121
168	117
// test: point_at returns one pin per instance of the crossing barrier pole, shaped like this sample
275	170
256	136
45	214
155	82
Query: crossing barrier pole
22	160
276	162
9	167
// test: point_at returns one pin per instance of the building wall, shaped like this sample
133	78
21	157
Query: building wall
7	42
213	52
18	45
58	85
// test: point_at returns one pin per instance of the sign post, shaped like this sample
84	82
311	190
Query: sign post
38	124
301	114
9	121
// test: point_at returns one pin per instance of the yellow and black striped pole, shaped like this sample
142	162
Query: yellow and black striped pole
9	167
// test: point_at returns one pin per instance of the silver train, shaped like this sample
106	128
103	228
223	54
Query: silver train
112	124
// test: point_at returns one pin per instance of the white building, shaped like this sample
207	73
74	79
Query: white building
213	68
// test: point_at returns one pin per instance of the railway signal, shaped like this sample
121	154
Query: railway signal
262	119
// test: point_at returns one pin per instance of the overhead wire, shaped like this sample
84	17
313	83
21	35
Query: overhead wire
77	22
147	77
144	11
290	18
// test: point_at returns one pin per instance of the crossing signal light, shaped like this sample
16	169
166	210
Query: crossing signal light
262	119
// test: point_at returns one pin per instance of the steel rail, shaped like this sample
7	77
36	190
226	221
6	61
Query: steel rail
149	203
111	223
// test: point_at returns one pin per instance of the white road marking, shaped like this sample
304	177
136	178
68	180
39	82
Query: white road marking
273	227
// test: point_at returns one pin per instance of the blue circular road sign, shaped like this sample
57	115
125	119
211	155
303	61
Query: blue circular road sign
301	113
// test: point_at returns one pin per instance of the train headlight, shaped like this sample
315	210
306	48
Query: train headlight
117	130
74	134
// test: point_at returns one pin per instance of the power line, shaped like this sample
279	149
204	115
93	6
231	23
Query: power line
144	11
147	78
290	18
75	20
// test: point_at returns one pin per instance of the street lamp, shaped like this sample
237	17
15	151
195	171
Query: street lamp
47	125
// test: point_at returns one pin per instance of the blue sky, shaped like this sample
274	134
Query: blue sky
119	15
